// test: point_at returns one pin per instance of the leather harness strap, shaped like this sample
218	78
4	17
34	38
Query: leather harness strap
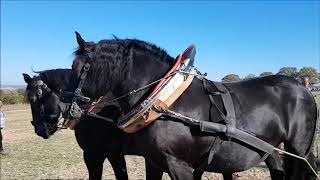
75	112
77	92
229	117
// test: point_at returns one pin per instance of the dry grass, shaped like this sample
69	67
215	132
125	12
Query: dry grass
60	157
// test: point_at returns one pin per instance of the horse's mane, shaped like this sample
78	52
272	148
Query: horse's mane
58	79
127	44
113	58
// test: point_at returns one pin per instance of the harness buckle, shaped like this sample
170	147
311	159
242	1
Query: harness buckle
86	67
84	98
75	111
77	92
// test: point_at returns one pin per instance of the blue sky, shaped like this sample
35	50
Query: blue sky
238	37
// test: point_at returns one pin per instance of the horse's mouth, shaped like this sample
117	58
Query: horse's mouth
45	130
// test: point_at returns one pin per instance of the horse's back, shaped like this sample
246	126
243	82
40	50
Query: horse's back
276	106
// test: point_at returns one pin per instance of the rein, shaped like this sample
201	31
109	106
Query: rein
136	90
92	114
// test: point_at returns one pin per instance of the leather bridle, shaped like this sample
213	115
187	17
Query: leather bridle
75	112
42	90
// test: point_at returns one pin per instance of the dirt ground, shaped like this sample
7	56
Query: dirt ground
60	157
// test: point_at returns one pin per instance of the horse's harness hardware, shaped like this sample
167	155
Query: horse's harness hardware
42	91
172	85
39	85
75	111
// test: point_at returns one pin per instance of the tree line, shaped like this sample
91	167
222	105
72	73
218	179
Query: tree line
309	72
13	96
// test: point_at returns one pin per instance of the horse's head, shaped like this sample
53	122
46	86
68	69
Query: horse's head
44	106
119	66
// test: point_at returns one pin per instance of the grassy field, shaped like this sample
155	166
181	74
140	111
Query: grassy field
31	157
60	157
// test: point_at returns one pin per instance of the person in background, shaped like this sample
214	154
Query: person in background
306	83
2	119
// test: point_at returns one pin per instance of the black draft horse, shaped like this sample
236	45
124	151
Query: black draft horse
98	140
274	108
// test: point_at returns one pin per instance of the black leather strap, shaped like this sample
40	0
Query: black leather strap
230	129
77	93
215	88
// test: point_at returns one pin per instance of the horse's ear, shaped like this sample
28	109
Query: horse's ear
27	78
80	41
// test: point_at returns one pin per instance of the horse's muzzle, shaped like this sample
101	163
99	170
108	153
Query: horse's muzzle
42	130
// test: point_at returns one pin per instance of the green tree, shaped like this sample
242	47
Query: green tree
22	95
289	71
309	72
266	74
12	96
231	78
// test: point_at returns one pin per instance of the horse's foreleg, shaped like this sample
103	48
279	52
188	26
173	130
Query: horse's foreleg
153	173
94	163
118	164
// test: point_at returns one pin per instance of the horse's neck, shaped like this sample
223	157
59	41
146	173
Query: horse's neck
142	73
58	83
49	80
